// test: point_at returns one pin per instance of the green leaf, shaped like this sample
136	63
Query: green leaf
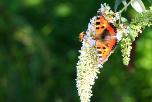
124	3
131	35
117	3
150	1
138	6
124	20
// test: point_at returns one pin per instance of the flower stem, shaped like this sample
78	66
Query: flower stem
124	9
126	6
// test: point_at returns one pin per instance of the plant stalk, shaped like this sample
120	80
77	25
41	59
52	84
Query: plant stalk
126	6
124	9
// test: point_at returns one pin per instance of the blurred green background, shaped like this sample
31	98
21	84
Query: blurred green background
39	51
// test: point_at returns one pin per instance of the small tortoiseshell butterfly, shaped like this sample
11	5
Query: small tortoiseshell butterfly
105	36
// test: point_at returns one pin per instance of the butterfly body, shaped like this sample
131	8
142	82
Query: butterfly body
105	36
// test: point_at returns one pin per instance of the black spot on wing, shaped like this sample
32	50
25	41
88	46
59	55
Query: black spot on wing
104	48
99	52
97	27
97	23
100	56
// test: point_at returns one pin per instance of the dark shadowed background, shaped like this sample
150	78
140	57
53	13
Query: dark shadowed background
39	51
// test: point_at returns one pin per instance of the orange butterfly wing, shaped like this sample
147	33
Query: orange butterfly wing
105	37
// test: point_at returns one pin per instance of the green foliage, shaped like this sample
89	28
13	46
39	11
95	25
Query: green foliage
117	3
150	1
130	34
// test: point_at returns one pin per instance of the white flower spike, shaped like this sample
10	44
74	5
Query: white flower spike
89	61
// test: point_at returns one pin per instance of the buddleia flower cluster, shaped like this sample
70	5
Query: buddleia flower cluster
141	20
89	63
137	25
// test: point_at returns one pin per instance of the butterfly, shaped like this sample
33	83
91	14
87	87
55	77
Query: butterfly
105	36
